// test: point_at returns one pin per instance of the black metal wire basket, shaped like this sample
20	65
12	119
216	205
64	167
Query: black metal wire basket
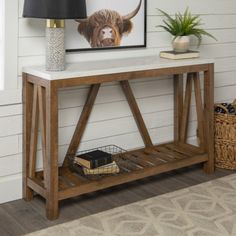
114	150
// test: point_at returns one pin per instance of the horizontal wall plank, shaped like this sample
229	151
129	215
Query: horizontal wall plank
32	46
225	64
209	22
225	78
196	7
217	50
29	27
10	125
10	110
225	93
11	165
9	145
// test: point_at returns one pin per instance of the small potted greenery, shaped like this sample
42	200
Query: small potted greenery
181	26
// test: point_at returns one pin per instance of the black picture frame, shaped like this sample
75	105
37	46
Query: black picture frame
72	34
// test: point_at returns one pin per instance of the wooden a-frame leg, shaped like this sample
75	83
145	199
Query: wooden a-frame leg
27	107
82	123
178	105
42	123
186	109
209	166
136	113
34	133
199	109
51	168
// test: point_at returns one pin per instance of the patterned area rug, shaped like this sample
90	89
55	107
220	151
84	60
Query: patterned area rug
208	209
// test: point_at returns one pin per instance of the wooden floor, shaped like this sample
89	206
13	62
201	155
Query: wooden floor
20	217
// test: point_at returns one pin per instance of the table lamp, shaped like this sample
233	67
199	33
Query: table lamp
55	11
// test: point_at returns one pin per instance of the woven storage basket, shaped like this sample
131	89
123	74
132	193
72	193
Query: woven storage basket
225	139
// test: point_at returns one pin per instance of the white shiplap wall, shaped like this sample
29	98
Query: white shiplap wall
111	120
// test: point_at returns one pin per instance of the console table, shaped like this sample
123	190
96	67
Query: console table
40	102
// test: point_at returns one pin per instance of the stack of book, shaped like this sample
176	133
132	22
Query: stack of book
96	162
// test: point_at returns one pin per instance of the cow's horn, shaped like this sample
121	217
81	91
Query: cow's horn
133	13
81	20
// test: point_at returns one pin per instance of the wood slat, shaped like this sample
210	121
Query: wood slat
180	149
136	113
82	123
154	151
194	150
186	109
128	164
75	180
144	162
63	183
169	157
147	157
170	153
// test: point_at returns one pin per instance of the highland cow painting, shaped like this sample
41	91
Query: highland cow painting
109	24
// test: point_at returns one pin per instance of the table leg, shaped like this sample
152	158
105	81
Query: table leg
178	105
51	168
209	117
27	114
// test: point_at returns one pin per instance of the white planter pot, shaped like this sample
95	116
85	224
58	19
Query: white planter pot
181	43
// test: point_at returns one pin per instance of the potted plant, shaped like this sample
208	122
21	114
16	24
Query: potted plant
181	26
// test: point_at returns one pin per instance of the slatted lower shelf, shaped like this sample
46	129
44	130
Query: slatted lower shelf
133	165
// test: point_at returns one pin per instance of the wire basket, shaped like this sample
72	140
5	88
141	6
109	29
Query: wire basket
100	171
225	138
111	149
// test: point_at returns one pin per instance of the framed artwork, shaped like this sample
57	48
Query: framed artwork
110	24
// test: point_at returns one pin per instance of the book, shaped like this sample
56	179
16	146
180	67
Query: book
93	159
179	55
106	169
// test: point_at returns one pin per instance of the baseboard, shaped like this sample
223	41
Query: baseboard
10	188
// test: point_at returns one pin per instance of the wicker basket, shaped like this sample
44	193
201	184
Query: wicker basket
225	139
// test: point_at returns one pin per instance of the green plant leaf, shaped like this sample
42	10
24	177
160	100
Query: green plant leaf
184	24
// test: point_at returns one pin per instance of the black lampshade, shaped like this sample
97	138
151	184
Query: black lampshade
55	9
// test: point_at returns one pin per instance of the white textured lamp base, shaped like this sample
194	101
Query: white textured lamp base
55	49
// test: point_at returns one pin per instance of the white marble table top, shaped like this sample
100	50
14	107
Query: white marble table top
102	67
